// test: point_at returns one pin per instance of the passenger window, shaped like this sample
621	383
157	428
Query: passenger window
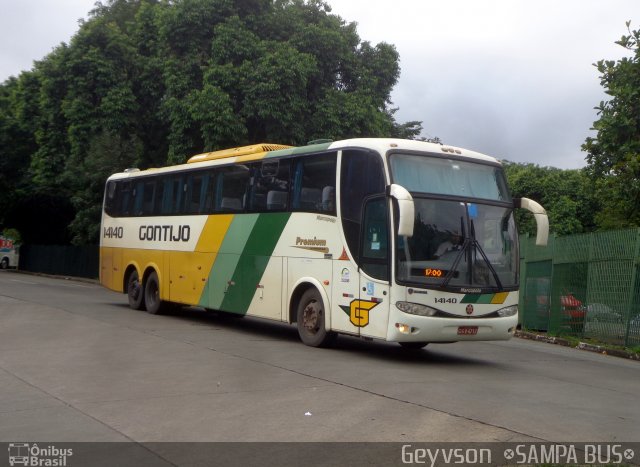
110	199
125	198
138	192
232	183
270	186
314	181
172	195
148	197
158	197
196	193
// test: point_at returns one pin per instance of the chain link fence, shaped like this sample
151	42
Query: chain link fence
584	285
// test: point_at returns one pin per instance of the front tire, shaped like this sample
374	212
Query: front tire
152	294
135	292
311	320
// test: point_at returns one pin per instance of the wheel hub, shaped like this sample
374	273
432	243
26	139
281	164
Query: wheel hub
311	316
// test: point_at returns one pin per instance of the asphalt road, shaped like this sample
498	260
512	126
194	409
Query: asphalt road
76	364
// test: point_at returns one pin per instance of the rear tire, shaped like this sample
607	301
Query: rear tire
311	320
135	292
4	264
152	294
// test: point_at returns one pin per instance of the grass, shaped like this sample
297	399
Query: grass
574	341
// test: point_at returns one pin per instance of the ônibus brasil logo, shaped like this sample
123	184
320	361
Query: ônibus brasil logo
34	455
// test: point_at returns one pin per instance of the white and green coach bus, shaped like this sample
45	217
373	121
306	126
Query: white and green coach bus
404	241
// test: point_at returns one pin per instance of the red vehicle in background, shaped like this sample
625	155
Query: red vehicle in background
573	312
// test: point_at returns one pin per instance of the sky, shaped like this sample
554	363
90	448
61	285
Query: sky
510	78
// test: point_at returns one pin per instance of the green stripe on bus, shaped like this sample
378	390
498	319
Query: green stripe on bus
227	260
477	298
312	148
258	249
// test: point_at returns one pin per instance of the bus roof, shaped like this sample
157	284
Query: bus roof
270	150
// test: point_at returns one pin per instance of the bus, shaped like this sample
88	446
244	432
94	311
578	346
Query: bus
400	240
9	253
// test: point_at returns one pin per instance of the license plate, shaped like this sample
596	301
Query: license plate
467	330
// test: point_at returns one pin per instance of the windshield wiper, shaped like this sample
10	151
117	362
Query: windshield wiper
466	248
454	267
476	244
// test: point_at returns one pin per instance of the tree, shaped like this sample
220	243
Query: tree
150	82
566	195
613	156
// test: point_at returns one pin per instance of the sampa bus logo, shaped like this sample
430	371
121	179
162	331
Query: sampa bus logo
358	311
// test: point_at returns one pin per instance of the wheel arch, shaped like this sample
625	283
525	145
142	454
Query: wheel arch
143	274
298	289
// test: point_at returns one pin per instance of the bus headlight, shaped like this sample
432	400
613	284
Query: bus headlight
416	309
508	311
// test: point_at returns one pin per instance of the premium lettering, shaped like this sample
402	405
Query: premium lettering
310	242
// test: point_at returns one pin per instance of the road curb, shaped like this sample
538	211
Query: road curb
581	345
56	276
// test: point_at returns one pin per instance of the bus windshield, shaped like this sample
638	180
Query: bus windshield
464	230
443	176
459	244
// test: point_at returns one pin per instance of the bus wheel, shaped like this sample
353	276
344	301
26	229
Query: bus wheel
310	320
134	291
413	345
4	264
152	294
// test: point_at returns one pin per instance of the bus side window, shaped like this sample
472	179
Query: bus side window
196	190
270	186
125	199
361	175
148	196
209	192
314	179
158	196
231	191
172	195
110	199
138	195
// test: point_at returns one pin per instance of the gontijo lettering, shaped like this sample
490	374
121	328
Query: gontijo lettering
164	233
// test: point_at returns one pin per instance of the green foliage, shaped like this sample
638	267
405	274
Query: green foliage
566	195
614	154
13	234
151	82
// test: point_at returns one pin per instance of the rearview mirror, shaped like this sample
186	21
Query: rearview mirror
542	221
406	209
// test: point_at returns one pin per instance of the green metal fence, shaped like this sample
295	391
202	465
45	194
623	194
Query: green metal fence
584	285
62	260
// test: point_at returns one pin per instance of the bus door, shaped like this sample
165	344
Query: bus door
372	313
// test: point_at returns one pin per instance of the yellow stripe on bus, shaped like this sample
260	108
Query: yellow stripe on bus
213	233
499	298
190	271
